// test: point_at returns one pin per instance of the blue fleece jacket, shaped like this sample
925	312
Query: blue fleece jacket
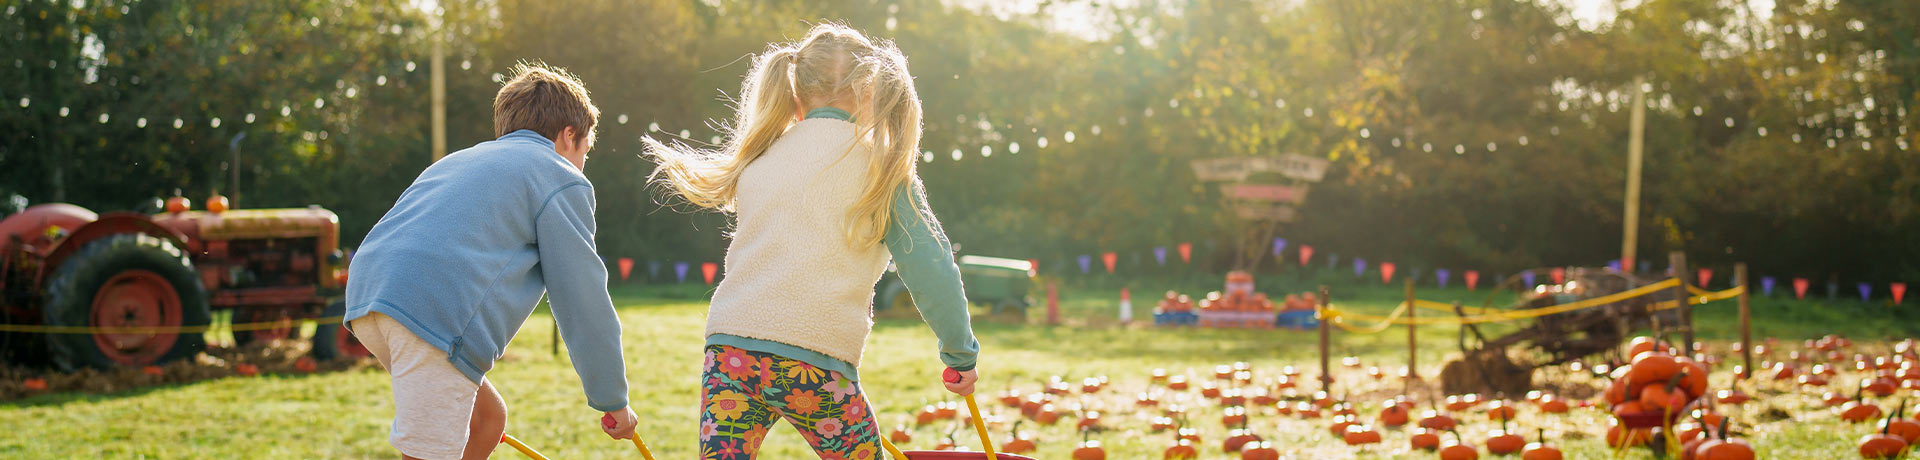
465	254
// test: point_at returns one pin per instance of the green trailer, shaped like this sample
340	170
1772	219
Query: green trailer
998	283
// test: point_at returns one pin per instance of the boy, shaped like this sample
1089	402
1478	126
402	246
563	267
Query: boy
446	278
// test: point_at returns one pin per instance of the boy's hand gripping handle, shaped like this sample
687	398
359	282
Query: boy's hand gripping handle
606	420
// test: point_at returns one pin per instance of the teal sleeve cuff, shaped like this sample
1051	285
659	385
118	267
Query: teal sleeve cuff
924	260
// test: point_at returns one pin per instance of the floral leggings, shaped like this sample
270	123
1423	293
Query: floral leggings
745	392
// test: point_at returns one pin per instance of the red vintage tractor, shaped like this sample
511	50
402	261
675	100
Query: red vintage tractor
66	267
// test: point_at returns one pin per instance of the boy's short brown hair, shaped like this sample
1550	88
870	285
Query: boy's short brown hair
545	99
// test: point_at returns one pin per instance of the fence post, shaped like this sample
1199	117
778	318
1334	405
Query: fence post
1746	323
1413	353
1678	259
1326	324
1053	303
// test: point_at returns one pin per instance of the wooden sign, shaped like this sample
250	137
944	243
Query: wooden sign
1262	192
1292	165
1277	213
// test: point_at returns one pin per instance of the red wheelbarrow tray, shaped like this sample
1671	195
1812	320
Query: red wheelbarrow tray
958	455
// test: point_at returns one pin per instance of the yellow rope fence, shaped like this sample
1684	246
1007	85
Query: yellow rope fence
263	325
1342	318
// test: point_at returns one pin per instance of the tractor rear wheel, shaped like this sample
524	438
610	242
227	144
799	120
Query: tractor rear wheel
332	340
125	281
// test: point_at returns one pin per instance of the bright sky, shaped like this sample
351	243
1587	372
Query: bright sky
1079	19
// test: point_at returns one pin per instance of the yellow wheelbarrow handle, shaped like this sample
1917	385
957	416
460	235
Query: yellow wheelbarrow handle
528	451
606	420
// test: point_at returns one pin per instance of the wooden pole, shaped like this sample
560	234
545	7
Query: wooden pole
438	87
1636	138
1326	326
1746	323
1678	259
1413	347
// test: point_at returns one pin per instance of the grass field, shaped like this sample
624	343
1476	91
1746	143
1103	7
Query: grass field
344	414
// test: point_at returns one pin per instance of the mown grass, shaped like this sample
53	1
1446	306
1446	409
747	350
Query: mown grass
344	414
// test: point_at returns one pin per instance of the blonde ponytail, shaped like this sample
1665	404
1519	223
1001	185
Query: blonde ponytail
833	62
708	179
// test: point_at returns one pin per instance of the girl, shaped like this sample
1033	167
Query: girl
818	171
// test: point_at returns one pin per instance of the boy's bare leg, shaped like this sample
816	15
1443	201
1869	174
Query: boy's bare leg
489	421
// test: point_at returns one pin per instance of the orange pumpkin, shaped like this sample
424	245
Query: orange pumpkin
1553	405
1664	398
1360	434
1651	367
1540	450
1237	439
1724	448
1089	449
1906	429
1233	416
1011	398
1393	415
1188	434
1733	397
1501	411
900	435
1503	442
1644	344
1881	445
1859	411
1458	449
1340	424
1177	383
1160	424
1425	439
1259	451
1435	420
1019	445
1181	450
35	384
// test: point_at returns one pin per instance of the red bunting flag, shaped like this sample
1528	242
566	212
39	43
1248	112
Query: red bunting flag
1705	275
1386	272
1306	254
1033	267
707	270
1559	275
1899	291
1473	279
1186	252
1800	288
626	267
1109	259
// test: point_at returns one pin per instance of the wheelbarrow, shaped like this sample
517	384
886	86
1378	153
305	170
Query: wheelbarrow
979	426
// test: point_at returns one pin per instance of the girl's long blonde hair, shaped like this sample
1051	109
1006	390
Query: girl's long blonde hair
834	64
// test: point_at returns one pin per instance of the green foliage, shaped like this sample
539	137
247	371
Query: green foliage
1534	103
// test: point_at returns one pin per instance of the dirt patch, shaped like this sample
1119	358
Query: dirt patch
280	357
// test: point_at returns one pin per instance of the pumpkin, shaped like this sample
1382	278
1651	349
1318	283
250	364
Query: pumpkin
1503	442
1031	406
1733	397
1090	420
1306	410
1665	398
35	384
1181	450
1425	439
1693	378
1834	398
1858	411
1011	398
1360	434
1459	403
1019	445
1188	434
1652	367
1209	390
948	409
1881	445
1879	386
1093	384
1047	415
1233	416
1906	429
1435	420
1232	397
1725	448
247	370
1262	398
1458	449
1089	449
1553	405
304	364
1628	408
1223	372
1259	451
1393	415
900	435
1618	436
1340	424
1160	424
1501	411
1644	344
1146	400
1159	375
1540	450
1237	439
1177	383
1621	391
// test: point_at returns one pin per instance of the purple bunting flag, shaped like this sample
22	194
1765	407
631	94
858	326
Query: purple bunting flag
1279	244
1160	255
1359	266
1440	274
680	271
1527	277
1766	285
1086	263
1866	291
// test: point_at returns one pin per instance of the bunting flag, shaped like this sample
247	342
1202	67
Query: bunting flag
1766	286
707	270
1866	291
1086	263
680	271
653	269
1386	272
1333	260
1800	288
1833	289
1413	273
1527	277
1160	255
1705	275
1613	265
1186	252
1559	275
1899	291
1279	244
1109	259
1646	266
1473	279
1440	275
626	267
1359	266
1033	267
1306	254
